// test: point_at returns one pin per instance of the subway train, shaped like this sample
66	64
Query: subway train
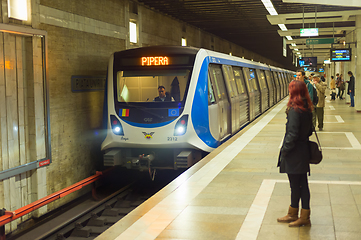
167	106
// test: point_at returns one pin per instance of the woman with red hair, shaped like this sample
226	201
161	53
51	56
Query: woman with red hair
294	155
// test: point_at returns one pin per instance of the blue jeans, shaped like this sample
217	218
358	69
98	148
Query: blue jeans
352	99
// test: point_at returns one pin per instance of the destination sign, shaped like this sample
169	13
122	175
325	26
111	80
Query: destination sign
341	54
155	61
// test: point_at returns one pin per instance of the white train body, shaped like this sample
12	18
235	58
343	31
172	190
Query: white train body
210	97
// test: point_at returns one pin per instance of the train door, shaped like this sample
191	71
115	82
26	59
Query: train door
255	95
224	112
263	90
278	86
213	110
243	96
233	97
283	83
274	87
271	88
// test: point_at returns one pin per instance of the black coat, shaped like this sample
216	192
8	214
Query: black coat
351	85
294	155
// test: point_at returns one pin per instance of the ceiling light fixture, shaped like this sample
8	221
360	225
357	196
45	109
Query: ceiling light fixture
283	27
269	6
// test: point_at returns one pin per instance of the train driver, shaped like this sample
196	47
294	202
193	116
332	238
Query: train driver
163	95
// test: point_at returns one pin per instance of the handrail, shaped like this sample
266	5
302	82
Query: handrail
12	215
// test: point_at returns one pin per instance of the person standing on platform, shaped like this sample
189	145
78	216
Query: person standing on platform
338	89
300	76
341	84
351	88
321	89
333	88
294	154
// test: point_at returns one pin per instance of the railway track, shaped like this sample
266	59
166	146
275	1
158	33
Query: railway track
90	218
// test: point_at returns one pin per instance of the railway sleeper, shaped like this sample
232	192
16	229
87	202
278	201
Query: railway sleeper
136	203
109	211
80	231
96	221
111	220
124	211
98	230
122	204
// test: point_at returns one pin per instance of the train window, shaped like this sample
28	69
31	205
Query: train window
216	74
269	80
142	86
275	77
211	99
250	76
229	77
239	80
281	78
261	79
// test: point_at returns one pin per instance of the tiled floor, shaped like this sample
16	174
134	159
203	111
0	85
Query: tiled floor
237	192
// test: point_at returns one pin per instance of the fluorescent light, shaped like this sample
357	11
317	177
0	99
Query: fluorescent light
269	6
184	42
296	49
133	32
293	44
327	61
289	38
283	27
18	9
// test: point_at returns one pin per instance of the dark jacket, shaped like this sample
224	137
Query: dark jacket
351	85
294	155
168	98
309	88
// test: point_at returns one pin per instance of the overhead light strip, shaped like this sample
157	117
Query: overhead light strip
269	6
272	11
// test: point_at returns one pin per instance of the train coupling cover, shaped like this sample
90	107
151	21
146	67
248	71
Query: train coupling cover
143	162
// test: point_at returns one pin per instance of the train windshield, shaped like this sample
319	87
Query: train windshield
152	86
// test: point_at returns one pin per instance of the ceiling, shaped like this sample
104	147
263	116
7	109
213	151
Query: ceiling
245	23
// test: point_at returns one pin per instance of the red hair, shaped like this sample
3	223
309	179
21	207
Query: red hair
298	95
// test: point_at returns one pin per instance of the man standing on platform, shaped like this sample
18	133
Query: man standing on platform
300	76
351	88
321	89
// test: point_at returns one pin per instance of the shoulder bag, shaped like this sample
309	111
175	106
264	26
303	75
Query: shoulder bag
315	151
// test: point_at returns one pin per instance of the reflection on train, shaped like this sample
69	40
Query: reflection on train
208	97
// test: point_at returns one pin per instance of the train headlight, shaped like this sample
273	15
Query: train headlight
116	126
180	130
181	126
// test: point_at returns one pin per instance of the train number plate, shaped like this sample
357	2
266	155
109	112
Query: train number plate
172	139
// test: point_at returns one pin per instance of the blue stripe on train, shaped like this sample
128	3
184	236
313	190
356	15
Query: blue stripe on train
200	107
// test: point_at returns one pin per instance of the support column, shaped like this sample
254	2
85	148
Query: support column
357	72
349	66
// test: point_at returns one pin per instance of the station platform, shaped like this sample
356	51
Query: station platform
237	192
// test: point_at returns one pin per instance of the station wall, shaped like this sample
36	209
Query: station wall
81	35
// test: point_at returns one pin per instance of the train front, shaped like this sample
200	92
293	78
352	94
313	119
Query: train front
147	113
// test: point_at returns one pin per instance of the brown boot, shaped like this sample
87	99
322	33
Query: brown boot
290	217
304	219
